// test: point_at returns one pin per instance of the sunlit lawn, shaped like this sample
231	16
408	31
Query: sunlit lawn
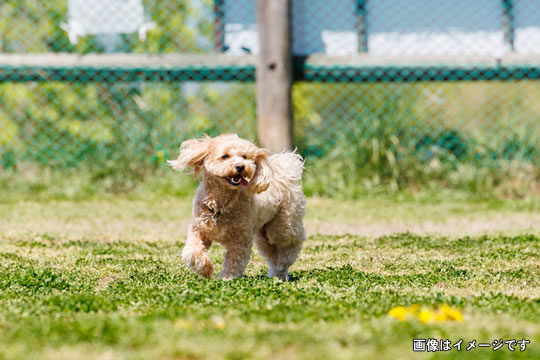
103	279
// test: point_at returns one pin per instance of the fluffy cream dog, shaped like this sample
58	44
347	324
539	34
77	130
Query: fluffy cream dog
245	194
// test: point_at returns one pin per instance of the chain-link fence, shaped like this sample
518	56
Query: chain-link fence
401	92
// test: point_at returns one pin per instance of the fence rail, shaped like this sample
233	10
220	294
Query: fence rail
180	67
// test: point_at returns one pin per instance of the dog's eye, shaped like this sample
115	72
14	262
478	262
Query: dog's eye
225	156
244	156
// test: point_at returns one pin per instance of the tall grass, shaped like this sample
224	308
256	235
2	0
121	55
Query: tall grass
356	138
412	136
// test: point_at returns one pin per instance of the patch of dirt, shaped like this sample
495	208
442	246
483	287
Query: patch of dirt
507	224
58	229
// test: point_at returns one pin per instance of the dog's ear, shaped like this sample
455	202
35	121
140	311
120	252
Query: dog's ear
192	155
263	175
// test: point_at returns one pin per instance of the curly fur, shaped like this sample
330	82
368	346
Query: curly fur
267	207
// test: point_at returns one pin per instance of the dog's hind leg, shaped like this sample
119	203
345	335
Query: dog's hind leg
281	244
267	250
286	256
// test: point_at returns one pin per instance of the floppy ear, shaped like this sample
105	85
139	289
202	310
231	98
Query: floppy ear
192	155
263	174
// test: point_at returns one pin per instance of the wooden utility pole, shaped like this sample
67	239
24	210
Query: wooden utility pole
274	75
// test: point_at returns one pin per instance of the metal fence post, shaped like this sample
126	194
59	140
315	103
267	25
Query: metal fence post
274	75
508	23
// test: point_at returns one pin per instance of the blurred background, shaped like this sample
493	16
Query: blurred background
447	96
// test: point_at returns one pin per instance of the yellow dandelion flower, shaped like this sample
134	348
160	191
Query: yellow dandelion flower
426	316
398	312
440	316
450	314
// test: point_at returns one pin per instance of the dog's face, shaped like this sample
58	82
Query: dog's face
235	162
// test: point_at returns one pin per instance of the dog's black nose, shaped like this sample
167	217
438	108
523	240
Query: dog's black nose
239	168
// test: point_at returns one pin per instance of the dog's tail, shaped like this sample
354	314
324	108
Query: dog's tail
288	167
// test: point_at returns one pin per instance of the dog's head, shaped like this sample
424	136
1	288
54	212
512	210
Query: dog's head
235	162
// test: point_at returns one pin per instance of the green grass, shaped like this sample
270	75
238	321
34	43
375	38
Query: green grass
104	279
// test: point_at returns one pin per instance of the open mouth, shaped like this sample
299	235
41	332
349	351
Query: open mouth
236	180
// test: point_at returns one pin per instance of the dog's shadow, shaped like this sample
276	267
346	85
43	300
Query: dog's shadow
321	275
263	277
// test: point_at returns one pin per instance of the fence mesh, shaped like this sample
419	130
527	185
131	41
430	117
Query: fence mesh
403	123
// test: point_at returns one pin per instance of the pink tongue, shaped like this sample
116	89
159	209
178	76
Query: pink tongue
244	182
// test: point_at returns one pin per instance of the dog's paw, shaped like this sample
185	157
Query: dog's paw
207	270
227	276
200	263
282	275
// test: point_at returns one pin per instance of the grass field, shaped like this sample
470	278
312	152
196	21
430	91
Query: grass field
103	278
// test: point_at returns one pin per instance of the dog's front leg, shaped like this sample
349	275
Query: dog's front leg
195	254
236	258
